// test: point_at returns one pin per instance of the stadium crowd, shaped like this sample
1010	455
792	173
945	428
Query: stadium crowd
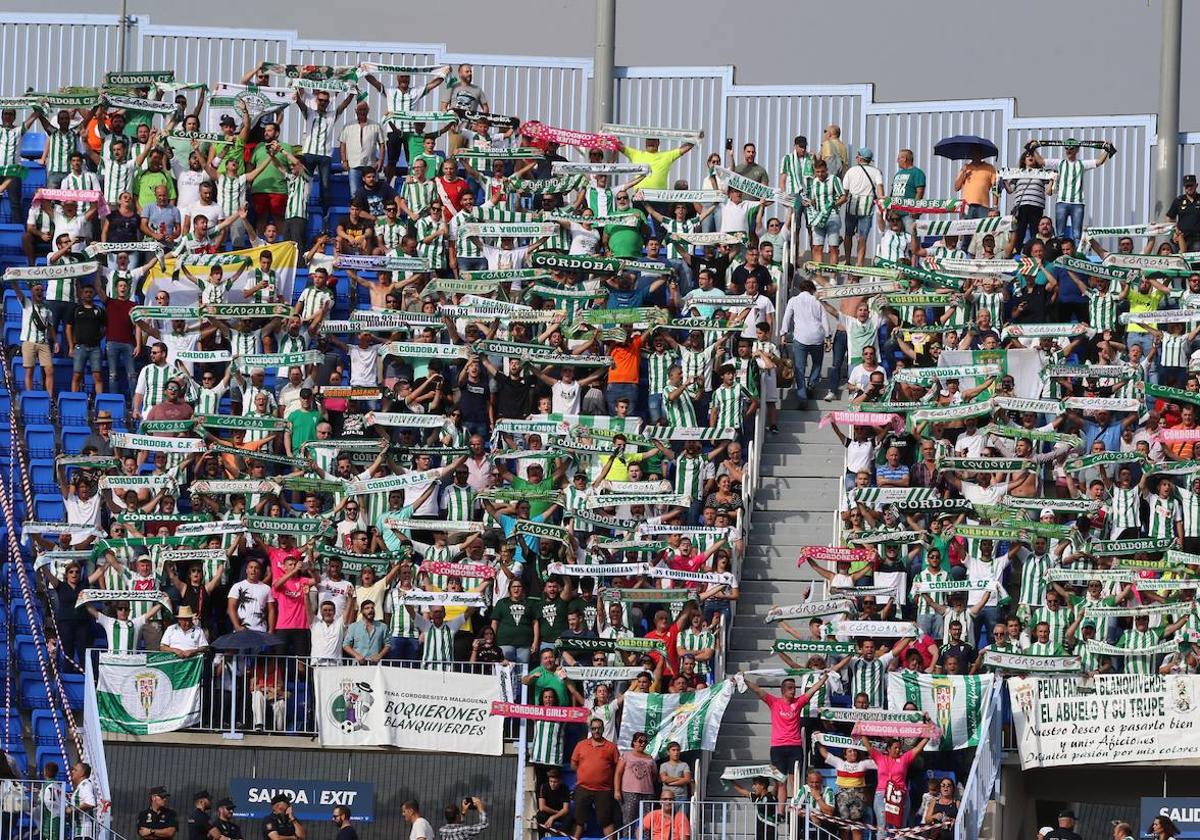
508	363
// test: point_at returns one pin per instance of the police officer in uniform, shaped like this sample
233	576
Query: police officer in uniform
158	822
281	823
223	827
199	821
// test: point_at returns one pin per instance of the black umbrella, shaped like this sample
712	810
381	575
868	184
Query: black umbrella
246	641
964	147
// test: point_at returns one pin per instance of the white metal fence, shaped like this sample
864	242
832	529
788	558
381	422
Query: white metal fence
50	51
37	810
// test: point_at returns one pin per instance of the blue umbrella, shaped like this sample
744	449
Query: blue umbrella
964	147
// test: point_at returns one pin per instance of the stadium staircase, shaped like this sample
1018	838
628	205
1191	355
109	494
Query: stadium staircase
794	507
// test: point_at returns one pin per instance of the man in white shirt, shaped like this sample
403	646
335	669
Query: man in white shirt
421	829
803	331
327	632
860	377
864	185
361	146
184	638
317	150
82	505
251	604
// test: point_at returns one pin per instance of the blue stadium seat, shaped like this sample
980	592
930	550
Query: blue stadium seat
20	759
10	721
73	409
5	442
63	369
49	508
114	404
73	438
12	334
5	404
41	473
44	732
39	440
27	659
33	143
35	407
54	754
33	692
21	615
73	687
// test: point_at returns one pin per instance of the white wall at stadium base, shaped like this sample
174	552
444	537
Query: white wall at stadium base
50	51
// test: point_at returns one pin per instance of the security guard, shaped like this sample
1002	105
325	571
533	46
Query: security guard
281	823
199	822
1185	213
223	827
158	822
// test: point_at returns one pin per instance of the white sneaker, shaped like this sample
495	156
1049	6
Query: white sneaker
829	397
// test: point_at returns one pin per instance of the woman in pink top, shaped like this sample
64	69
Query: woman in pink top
292	620
892	807
634	778
787	741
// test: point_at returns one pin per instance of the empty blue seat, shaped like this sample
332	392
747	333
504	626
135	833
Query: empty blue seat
114	404
21	616
27	659
11	723
44	732
20	759
41	473
35	407
73	688
33	143
73	409
39	440
49	508
5	403
33	692
73	438
63	369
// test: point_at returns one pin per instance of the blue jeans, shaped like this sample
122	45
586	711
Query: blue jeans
405	648
930	624
977	211
837	372
515	654
472	264
84	356
801	354
120	356
1064	211
655	410
619	390
320	166
356	179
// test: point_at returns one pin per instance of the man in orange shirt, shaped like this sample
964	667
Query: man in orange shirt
595	764
974	183
667	822
623	375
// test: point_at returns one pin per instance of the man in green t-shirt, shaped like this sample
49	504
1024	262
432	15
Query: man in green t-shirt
544	676
269	189
154	175
551	613
908	182
626	240
302	423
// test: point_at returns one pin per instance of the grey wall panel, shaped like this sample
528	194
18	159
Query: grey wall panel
1119	192
1189	156
44	56
209	55
771	121
554	93
888	132
434	779
691	101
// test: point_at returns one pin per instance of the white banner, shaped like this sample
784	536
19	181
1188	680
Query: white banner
1118	718
409	708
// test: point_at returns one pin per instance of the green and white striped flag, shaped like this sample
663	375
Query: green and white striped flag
955	703
692	718
148	693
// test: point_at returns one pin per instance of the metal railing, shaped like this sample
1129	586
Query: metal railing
268	694
710	820
34	810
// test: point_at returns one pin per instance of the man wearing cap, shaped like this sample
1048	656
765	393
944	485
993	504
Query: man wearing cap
184	638
223	827
158	822
282	822
864	186
1066	827
1185	213
199	823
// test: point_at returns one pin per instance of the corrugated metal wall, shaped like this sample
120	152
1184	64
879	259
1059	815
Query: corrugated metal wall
44	55
433	780
771	120
555	92
685	101
207	55
1118	193
890	129
1189	154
